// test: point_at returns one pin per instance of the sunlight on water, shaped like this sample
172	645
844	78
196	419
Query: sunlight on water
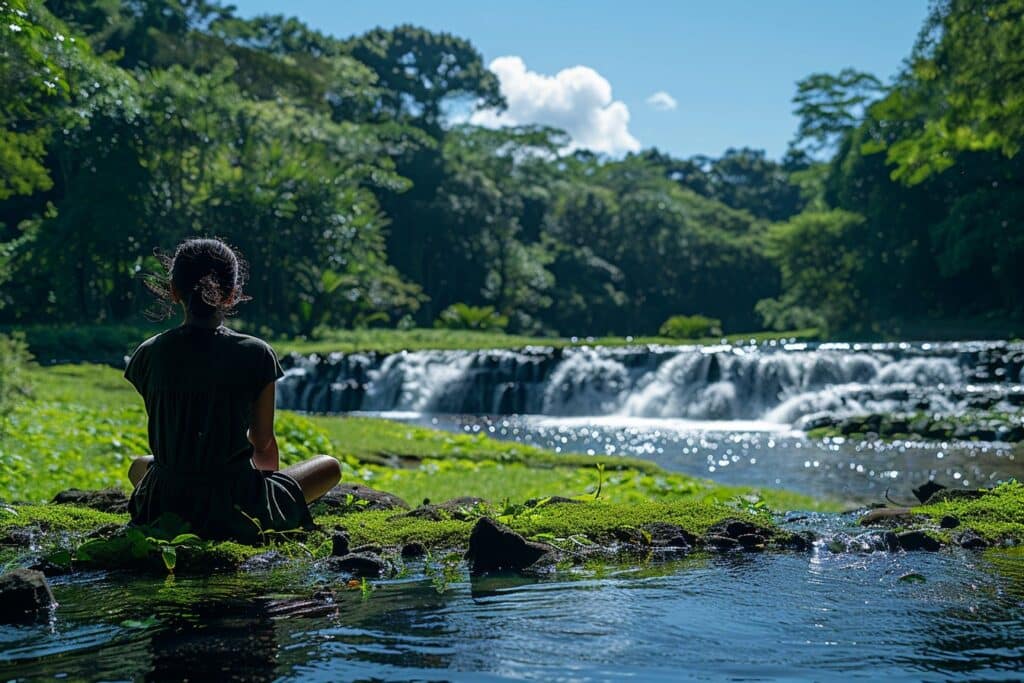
814	615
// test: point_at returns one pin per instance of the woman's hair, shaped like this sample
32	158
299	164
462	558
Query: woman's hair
207	275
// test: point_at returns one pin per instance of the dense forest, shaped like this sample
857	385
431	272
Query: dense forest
335	167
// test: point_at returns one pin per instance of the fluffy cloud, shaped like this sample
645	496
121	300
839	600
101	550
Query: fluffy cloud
662	101
577	100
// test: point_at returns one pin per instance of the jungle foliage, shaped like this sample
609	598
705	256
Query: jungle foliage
334	165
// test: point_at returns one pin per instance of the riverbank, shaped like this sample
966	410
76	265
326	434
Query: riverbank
109	344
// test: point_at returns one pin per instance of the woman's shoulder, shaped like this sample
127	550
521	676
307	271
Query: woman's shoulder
245	341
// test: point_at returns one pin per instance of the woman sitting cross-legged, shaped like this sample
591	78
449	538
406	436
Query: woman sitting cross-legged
209	395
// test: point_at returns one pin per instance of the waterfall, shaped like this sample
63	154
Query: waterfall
782	384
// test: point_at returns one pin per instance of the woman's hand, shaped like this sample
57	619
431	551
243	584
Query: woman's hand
261	432
267	458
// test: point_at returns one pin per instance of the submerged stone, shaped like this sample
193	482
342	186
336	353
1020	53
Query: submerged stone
494	547
23	594
971	540
917	540
360	565
105	500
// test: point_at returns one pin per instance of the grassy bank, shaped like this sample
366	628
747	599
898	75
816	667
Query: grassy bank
84	423
110	343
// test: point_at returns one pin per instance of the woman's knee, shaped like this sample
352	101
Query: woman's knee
330	466
137	470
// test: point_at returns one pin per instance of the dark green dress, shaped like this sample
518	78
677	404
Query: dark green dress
199	385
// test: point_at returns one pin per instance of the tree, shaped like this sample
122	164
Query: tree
421	72
830	105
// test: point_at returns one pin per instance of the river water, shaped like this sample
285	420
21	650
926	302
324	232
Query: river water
794	616
731	414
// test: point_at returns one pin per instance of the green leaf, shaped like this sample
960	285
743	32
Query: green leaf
169	554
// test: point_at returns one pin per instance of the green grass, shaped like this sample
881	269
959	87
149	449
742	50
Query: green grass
997	515
110	343
85	423
390	341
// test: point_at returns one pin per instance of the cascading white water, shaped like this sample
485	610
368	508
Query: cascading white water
776	384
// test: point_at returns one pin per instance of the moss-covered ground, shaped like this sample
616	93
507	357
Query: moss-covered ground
997	516
83	423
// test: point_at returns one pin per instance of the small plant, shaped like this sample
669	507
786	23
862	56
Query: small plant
691	327
442	574
465	317
600	480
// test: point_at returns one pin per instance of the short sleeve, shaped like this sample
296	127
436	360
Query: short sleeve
268	370
138	368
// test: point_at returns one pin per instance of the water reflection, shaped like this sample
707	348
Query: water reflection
792	615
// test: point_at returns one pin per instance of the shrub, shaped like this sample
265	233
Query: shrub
691	327
465	317
14	385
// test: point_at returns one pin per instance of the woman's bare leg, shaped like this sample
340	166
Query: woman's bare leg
138	469
316	476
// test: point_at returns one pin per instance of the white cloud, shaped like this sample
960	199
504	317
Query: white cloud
662	101
577	100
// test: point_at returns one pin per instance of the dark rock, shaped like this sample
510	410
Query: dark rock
665	535
917	540
819	422
361	498
949	522
890	516
267	560
971	540
413	549
339	543
751	541
552	500
21	537
104	500
23	594
851	425
358	564
734	528
719	542
371	548
494	547
925	491
106	531
457	508
801	541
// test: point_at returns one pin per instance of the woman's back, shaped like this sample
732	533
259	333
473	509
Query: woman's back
199	385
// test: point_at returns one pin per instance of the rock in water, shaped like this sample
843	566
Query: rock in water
494	547
356	497
918	540
339	543
104	500
359	565
23	594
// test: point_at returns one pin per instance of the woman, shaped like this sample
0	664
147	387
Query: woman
209	395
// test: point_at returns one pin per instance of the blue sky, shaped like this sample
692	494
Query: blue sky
728	65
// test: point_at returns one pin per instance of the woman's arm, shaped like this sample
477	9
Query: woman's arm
261	432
